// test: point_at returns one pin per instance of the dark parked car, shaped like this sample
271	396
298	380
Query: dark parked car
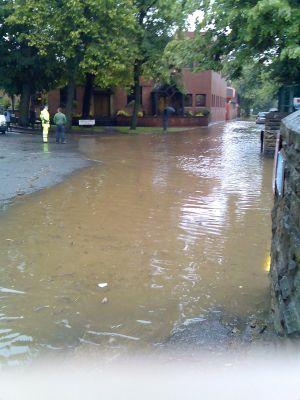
261	117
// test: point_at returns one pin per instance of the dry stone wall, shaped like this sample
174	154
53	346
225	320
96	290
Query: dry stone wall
272	127
285	250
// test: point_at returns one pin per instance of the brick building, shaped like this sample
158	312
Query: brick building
203	91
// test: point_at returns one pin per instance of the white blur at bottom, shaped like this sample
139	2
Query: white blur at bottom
243	378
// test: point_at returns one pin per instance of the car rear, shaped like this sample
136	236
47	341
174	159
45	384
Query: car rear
261	118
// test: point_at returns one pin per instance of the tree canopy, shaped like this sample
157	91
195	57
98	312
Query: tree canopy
236	32
83	37
256	89
254	43
107	42
23	70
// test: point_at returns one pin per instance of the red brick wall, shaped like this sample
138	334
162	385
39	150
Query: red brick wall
197	83
119	100
209	83
175	121
147	102
53	101
218	102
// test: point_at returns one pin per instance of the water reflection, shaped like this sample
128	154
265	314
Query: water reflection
174	224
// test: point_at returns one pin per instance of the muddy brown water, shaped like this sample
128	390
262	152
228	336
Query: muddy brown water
164	229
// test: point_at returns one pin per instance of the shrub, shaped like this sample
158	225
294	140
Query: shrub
123	113
203	113
6	103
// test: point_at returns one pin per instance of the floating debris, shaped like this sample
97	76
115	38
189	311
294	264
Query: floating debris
12	291
40	308
102	285
64	322
113	334
155	286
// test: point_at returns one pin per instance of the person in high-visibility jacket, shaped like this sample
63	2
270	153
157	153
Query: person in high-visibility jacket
45	118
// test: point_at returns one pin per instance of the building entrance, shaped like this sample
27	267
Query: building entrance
101	104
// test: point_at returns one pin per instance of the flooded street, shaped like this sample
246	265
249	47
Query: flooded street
161	230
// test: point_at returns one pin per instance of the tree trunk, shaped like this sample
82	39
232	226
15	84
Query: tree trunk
13	103
137	95
70	102
24	104
87	97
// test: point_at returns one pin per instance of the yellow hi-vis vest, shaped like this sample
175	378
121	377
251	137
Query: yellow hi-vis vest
45	117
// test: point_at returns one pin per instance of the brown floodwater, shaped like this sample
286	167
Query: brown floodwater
162	230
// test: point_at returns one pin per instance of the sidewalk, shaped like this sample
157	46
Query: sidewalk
27	165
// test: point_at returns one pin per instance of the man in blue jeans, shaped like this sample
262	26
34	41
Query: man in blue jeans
60	121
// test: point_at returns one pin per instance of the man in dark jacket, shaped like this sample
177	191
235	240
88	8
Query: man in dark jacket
60	121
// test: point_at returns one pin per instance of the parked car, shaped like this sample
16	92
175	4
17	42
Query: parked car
261	117
2	124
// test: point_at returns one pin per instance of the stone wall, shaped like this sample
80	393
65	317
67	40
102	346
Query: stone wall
285	251
272	127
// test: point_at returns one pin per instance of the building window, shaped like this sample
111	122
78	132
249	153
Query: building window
130	96
63	96
200	100
213	100
188	100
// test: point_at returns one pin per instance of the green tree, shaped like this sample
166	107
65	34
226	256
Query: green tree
85	36
236	32
156	21
256	89
23	70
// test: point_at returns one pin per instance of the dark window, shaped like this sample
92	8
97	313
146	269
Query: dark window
212	100
130	96
63	97
200	100
188	100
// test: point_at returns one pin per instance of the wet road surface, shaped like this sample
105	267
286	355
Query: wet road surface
28	165
167	229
